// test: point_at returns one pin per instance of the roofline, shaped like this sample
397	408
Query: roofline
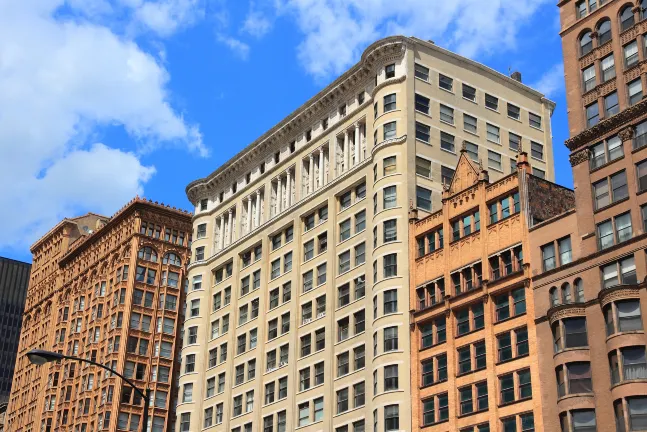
487	70
51	232
15	261
132	205
326	95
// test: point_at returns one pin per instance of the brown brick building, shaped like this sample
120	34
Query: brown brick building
589	281
473	344
107	289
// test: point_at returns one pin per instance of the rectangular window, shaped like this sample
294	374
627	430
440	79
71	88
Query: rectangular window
592	114
422	104
447	142
514	111
445	82
390	199
469	92
608	68
514	141
588	78
423	198
389	102
493	133
611	106
470	123
534	120
635	91
446	114
631	54
537	150
423	132
389	130
491	102
421	72
472	150
423	167
494	160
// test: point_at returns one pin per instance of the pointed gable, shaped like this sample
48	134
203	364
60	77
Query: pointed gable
466	174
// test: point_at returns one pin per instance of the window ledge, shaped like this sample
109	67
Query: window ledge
592	170
349	410
510	318
349	338
432	384
433	424
512	359
608	206
460	416
582	348
348	374
504	404
469	332
310	388
473	371
388	352
574	395
388	392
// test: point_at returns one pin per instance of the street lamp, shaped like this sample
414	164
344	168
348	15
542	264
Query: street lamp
40	357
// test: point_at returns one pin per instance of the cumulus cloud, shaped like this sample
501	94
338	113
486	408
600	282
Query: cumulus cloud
238	47
256	23
336	31
61	79
552	82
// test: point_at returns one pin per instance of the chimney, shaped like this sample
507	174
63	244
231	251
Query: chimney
431	42
516	75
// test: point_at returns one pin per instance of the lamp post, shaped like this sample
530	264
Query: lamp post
40	357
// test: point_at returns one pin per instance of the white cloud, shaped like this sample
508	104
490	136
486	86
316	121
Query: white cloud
238	47
552	82
59	81
336	31
166	16
256	23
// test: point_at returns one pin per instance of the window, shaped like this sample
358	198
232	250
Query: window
606	151
469	92
513	111
421	72
445	82
565	255
641	171
390	339
447	142
390	199
344	230
493	133
423	198
390	265
537	150
534	120
574	378
491	102
569	333
592	115
611	104
360	221
390	230
586	43
422	104
626	18
390	301
391	417
619	190
446	114
635	91
608	68
389	71
470	123
494	160
623	316
391	377
389	165
423	132
631	54
389	102
588	78
446	175
360	254
507	386
389	130
423	167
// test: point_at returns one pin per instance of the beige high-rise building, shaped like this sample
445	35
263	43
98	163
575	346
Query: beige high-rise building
298	303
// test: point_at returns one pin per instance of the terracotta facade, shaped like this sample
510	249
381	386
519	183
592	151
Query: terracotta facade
110	290
473	343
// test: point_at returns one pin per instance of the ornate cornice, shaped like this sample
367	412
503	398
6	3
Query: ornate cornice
579	157
593	133
620	292
341	89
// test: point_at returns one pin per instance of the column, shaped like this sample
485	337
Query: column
281	194
249	214
357	143
230	222
346	151
288	197
311	175
221	233
257	217
322	167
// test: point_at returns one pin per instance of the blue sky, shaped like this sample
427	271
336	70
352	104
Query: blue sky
101	100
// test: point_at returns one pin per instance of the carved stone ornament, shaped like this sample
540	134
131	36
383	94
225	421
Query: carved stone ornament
626	134
579	157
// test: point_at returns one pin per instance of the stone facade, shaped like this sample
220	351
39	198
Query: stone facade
590	269
107	289
301	248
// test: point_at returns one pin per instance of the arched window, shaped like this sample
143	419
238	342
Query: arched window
566	293
626	18
586	44
579	290
604	32
147	253
554	298
172	259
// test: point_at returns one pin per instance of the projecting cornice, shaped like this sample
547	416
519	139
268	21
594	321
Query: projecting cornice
606	126
342	89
